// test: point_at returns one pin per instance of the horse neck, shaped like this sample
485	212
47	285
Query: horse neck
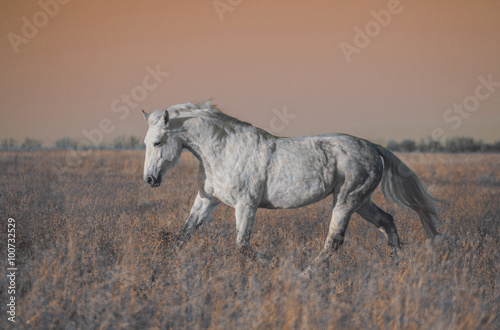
200	142
208	138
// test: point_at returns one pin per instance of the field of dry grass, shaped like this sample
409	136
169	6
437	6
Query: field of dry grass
90	254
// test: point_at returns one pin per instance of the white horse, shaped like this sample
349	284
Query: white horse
247	168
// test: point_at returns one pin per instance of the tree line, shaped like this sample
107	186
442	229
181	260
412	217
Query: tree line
29	143
456	144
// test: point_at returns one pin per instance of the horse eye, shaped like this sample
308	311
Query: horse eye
156	144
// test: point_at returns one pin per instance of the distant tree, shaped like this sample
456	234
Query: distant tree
434	146
119	142
495	146
408	145
134	142
124	142
422	146
462	144
393	145
66	143
429	145
31	144
456	144
9	144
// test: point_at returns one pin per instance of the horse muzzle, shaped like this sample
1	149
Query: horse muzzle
153	181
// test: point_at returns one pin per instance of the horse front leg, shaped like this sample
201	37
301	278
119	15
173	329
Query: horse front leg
245	221
200	212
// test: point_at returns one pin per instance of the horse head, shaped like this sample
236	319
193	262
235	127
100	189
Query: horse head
163	146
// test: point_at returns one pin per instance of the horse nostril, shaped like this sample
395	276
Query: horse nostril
149	180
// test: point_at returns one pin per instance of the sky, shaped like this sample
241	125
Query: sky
381	70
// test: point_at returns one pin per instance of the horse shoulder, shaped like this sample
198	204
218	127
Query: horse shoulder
205	186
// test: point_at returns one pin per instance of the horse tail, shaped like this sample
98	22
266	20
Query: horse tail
401	185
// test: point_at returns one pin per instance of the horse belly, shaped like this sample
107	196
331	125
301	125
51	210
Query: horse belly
298	181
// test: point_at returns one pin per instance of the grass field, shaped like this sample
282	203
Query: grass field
90	253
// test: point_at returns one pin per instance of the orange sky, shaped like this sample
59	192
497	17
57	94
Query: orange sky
262	55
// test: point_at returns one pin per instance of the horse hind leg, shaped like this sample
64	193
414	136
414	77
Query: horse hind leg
341	216
344	207
358	186
382	220
338	225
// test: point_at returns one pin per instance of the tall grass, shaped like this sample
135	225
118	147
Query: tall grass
91	254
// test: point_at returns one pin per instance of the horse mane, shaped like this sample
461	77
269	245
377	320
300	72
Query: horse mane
197	109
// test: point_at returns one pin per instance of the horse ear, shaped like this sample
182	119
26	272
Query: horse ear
146	115
165	118
206	105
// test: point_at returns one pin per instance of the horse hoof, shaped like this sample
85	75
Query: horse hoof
248	252
166	237
264	259
306	274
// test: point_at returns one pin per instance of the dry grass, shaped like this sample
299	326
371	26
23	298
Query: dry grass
90	256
